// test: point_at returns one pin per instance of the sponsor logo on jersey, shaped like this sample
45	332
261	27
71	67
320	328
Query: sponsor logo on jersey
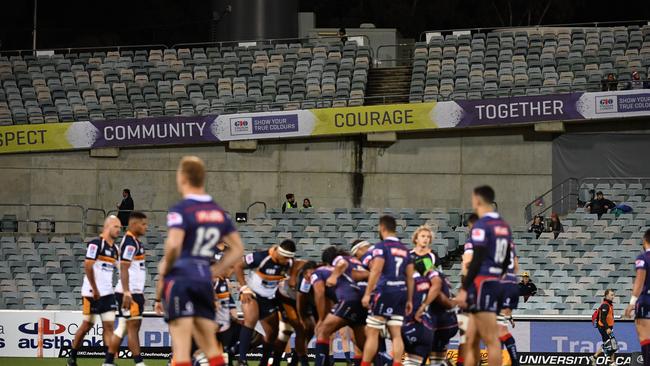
209	216
92	251
478	234
501	231
174	218
399	252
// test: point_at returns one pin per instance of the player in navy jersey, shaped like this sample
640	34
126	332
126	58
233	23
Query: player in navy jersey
129	290
97	292
185	292
509	302
439	305
389	293
481	287
463	318
640	301
258	293
348	310
417	330
422	257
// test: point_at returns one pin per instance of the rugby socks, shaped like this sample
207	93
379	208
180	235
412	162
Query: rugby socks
137	359
364	363
217	361
395	363
73	354
267	352
304	360
188	363
509	343
347	357
110	358
322	352
245	336
645	351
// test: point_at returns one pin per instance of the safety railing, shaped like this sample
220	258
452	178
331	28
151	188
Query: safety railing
155	217
248	209
613	180
273	41
381	60
422	36
68	50
563	197
43	217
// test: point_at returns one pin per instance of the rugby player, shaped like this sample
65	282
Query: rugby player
390	285
97	289
130	298
348	310
422	257
481	288
257	294
463	318
443	318
509	302
185	292
417	330
640	301
605	326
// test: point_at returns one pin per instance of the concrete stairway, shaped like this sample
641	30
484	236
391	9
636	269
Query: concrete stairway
388	85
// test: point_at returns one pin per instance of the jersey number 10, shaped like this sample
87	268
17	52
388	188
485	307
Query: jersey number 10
501	250
206	240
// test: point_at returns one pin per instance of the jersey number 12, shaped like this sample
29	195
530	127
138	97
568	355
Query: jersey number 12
206	240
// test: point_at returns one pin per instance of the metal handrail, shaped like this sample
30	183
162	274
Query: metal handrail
378	60
68	50
256	203
586	180
271	41
607	24
528	209
28	219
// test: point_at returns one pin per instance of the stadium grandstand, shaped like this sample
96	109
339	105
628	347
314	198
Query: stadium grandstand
540	131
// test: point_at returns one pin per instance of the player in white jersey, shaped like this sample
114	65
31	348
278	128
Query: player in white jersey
97	289
130	298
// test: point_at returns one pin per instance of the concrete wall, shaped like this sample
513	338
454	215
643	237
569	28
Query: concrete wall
424	172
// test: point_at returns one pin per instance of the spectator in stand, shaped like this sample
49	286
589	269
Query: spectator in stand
636	82
537	226
290	202
599	205
610	84
526	287
306	203
342	35
556	225
125	207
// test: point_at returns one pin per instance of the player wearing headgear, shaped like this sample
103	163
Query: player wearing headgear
389	293
257	293
481	288
463	318
422	257
185	292
439	305
640	300
130	297
97	289
348	310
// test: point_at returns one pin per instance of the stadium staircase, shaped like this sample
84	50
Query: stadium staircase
388	85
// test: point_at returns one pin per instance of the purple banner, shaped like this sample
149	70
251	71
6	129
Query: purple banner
154	131
524	109
633	102
255	125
